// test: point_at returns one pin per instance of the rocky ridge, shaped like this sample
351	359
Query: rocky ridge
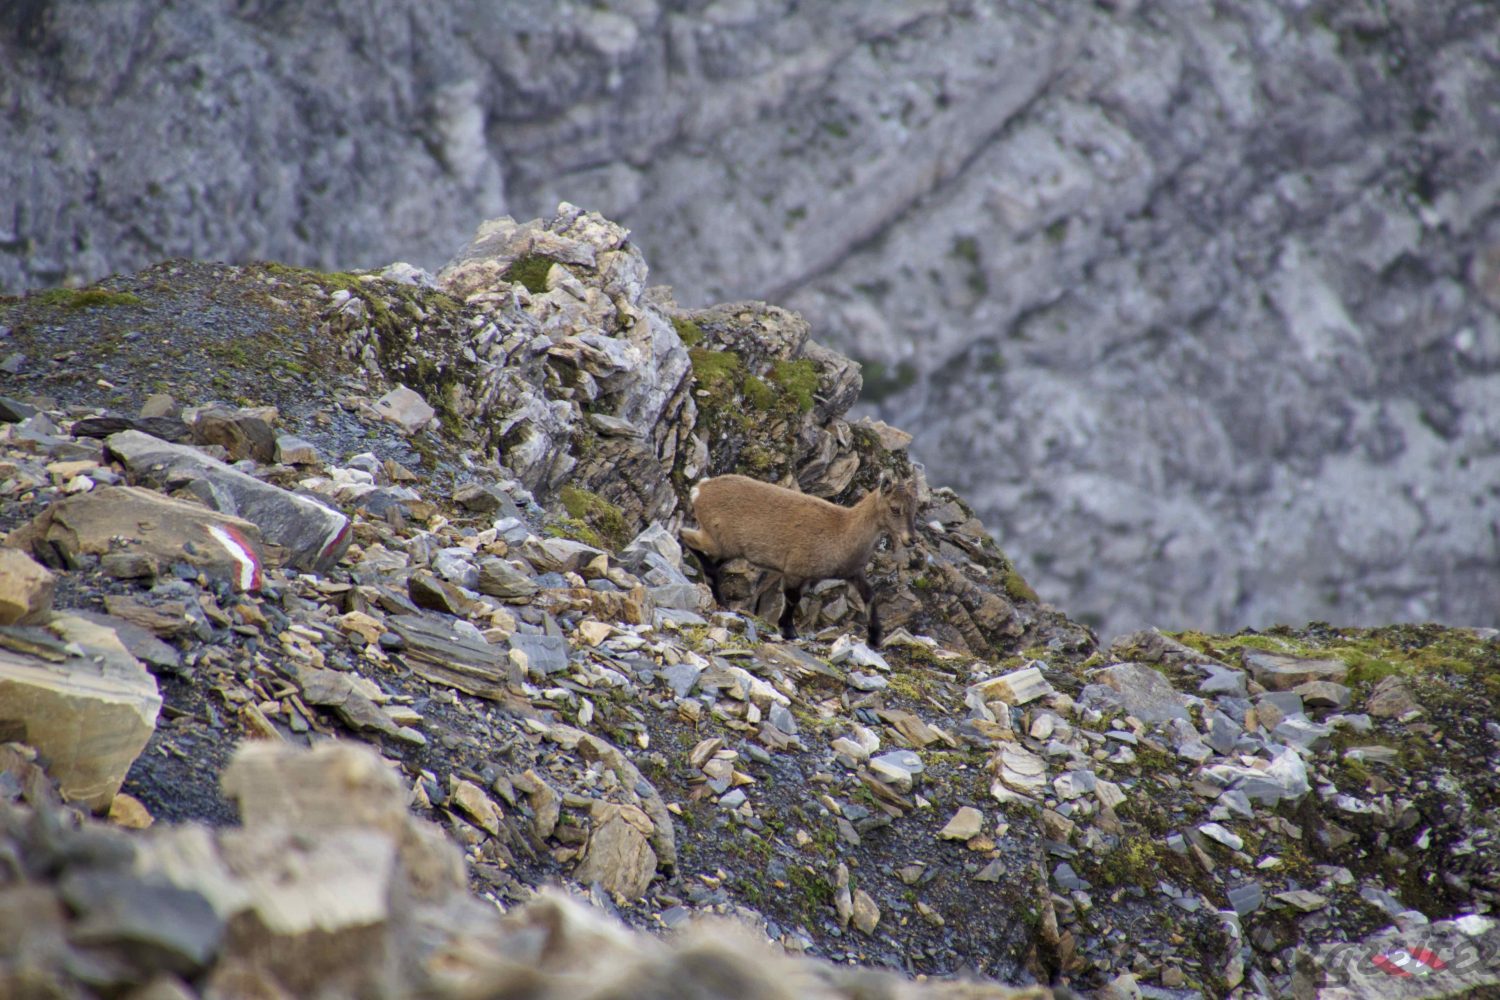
436	517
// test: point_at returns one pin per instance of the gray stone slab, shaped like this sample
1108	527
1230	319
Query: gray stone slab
434	651
1137	690
1223	732
1289	702
681	678
545	654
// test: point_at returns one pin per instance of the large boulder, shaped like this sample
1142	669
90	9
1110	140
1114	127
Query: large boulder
164	530
314	534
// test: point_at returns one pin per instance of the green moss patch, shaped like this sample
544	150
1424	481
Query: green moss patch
798	380
600	518
1409	650
788	384
759	394
1136	861
575	529
530	271
687	331
745	413
85	298
1016	587
715	371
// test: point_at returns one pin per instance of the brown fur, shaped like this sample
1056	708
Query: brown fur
802	537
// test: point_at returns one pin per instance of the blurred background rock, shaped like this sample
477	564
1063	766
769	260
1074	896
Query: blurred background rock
1198	303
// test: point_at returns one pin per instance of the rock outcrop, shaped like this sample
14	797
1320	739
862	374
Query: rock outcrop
512	627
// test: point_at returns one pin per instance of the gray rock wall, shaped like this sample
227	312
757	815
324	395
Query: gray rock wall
1196	303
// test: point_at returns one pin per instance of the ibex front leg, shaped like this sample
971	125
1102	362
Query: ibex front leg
867	594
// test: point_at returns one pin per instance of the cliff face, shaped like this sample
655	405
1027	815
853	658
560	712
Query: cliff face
1198	306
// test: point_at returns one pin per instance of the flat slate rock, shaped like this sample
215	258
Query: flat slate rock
141	642
13	411
1280	672
165	427
435	652
546	654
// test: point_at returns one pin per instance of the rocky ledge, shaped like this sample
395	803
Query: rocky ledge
399	587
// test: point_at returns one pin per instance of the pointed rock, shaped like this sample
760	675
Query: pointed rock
25	588
619	855
965	825
478	806
88	714
1391	699
866	912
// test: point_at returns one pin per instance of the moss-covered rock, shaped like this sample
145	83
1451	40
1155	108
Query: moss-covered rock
531	272
603	519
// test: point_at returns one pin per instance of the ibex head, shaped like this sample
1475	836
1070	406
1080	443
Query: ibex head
898	508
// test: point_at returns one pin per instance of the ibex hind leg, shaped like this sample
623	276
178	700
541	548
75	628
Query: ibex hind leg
867	594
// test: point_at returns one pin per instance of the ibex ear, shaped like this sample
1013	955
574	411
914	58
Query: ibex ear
884	484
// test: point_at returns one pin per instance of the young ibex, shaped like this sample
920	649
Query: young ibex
803	538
